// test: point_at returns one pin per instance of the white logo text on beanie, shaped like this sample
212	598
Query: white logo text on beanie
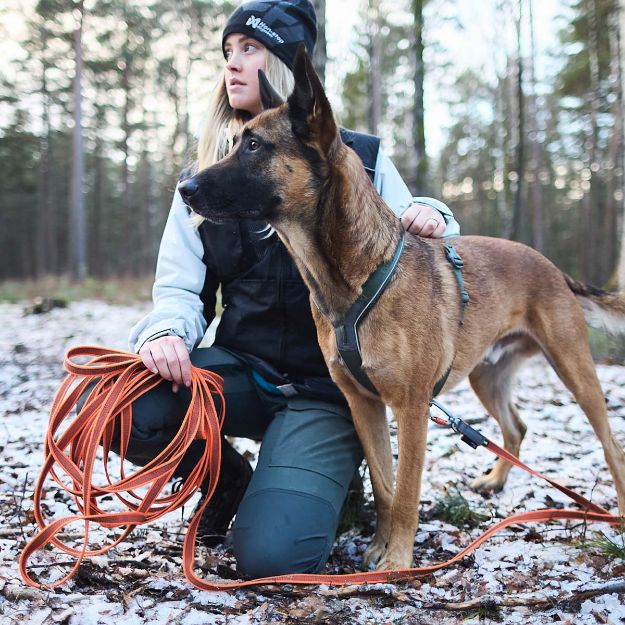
257	24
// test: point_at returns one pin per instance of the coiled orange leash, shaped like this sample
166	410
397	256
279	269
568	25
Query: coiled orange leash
116	379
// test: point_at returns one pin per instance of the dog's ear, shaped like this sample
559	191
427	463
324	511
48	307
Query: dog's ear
269	97
310	112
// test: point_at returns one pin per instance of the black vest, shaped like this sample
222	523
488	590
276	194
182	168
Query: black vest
266	311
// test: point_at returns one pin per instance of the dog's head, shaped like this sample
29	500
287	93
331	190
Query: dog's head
281	159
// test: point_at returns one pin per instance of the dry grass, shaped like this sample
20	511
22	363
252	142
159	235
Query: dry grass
113	291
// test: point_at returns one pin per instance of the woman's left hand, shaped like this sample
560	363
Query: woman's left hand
423	220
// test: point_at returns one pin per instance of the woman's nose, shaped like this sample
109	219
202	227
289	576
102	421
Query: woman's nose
233	62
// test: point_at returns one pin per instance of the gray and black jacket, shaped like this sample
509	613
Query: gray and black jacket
266	312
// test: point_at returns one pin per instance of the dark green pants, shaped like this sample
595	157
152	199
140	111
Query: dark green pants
309	454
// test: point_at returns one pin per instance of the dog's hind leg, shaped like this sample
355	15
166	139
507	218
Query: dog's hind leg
492	381
566	347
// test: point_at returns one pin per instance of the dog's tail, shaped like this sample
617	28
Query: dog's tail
602	309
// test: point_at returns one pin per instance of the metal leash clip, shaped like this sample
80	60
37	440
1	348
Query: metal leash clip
470	435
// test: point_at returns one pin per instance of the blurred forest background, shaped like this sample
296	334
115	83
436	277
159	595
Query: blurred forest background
99	101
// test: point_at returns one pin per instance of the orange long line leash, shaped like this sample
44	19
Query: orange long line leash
115	380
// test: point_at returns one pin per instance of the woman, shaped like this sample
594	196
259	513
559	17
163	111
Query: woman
277	387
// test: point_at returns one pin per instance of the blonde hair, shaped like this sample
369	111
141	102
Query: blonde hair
223	122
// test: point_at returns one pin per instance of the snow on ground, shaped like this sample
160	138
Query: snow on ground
529	574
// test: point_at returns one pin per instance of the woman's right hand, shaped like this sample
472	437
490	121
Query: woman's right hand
169	357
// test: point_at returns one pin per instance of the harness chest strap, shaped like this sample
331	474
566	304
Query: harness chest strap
346	329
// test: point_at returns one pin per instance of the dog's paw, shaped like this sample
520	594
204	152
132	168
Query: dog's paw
392	562
374	552
487	484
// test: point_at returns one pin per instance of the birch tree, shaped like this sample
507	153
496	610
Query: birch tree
519	211
77	225
538	217
375	80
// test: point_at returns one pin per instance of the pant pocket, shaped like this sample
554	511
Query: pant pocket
315	437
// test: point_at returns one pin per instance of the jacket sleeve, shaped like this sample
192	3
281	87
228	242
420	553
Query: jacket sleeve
395	193
181	277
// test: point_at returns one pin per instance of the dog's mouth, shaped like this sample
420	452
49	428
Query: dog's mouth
223	212
221	216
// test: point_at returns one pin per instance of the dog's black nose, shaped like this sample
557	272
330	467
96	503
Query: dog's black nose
188	188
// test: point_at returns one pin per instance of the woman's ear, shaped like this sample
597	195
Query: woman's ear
269	97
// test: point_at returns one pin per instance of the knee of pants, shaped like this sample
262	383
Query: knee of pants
279	531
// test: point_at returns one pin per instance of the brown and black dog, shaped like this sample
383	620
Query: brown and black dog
291	169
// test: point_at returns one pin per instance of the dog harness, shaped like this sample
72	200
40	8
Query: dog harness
346	329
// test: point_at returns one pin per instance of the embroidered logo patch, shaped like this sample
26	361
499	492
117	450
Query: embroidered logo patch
257	24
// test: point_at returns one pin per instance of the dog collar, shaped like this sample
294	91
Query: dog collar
346	329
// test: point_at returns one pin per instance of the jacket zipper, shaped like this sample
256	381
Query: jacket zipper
281	305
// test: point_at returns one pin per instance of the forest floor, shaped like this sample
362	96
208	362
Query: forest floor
546	573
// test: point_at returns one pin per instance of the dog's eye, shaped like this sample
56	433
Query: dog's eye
253	145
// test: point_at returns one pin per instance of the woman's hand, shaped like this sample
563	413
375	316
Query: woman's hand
169	357
423	220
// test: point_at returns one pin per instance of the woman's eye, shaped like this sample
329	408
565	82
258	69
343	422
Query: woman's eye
253	145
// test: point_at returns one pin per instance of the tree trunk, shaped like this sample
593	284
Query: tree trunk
97	256
77	224
591	200
375	75
127	217
621	267
173	168
609	215
538	217
320	57
421	180
43	227
518	218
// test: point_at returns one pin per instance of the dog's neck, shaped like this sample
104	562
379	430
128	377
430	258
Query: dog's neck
350	234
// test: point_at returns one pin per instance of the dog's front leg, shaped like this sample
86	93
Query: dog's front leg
369	417
412	424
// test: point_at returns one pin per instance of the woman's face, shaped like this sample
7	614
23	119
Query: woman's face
244	57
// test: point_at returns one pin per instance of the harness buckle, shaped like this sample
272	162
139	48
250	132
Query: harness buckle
453	257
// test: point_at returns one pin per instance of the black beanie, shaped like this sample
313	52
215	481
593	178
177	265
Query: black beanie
279	25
